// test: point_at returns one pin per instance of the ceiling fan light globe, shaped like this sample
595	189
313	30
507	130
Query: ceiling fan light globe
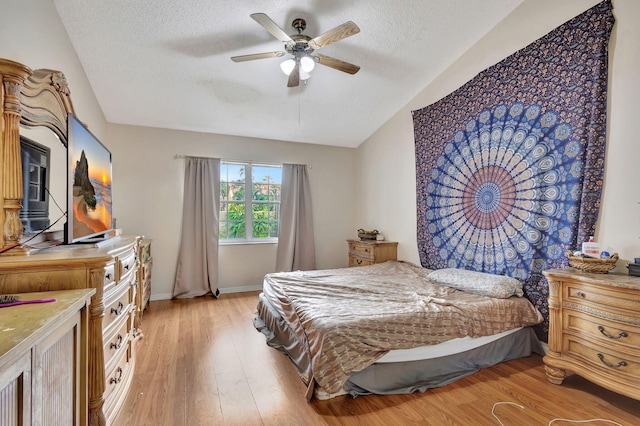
304	75
287	66
307	64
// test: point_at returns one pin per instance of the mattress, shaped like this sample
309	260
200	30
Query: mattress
402	371
347	319
450	347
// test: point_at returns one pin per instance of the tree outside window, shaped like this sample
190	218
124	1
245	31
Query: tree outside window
249	202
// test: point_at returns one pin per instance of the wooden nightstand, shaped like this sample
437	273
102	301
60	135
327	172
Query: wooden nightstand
594	329
367	252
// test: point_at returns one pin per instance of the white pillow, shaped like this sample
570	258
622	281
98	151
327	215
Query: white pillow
482	283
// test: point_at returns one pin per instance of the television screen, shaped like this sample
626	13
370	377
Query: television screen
89	185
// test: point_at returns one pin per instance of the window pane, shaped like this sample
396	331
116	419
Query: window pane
232	172
261	212
260	229
236	230
274	212
232	220
223	230
267	182
224	191
236	191
273	229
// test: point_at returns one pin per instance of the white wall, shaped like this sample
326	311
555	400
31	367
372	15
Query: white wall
387	192
33	35
148	185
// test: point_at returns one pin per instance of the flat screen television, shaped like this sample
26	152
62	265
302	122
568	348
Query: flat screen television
89	201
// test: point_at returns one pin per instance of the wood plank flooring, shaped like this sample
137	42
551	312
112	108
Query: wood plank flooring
201	362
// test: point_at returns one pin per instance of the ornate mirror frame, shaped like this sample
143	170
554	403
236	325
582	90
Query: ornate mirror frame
39	98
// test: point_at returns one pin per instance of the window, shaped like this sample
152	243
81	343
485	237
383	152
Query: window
253	189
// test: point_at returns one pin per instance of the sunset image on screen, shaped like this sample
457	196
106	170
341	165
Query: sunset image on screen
91	175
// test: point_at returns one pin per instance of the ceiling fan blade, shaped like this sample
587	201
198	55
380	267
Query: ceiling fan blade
337	64
271	27
253	57
294	77
338	33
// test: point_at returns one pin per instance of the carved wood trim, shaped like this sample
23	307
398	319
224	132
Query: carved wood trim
39	98
600	313
12	77
46	101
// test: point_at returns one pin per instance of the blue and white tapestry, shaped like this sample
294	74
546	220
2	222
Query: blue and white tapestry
509	167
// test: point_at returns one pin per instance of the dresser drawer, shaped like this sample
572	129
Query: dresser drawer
603	330
116	340
109	275
117	382
599	297
127	264
605	359
117	305
365	251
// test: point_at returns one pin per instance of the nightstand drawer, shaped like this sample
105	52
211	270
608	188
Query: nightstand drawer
604	359
358	261
600	297
605	331
362	253
361	250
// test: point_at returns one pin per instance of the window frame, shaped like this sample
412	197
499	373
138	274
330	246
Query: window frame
248	205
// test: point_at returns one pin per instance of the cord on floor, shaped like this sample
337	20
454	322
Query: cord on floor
551	421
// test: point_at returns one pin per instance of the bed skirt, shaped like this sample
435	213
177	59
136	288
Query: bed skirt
396	377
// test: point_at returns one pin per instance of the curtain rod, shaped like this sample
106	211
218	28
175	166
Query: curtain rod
228	160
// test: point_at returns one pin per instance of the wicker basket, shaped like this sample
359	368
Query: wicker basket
590	264
367	235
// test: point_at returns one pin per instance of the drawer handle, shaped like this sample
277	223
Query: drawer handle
108	276
119	310
359	261
117	345
114	380
580	294
621	334
620	364
126	267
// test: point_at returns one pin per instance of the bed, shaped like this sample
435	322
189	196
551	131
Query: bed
390	328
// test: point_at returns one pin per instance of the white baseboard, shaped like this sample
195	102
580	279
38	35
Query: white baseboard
242	289
226	290
165	296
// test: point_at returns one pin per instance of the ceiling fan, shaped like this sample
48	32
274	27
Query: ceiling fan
302	47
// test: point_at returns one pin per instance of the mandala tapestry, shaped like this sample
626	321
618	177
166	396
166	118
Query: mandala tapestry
509	167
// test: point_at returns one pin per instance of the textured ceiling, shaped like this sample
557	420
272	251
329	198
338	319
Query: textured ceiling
166	63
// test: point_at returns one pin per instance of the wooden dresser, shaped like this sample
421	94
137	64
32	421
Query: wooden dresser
594	329
43	360
368	252
144	278
111	271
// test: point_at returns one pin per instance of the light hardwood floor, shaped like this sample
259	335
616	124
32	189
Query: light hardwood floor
201	362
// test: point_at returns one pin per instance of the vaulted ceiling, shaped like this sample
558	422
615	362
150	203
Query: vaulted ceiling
166	63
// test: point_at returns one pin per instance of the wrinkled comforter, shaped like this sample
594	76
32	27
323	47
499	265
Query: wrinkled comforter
351	317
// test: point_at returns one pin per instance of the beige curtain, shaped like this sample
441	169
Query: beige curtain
197	270
296	249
